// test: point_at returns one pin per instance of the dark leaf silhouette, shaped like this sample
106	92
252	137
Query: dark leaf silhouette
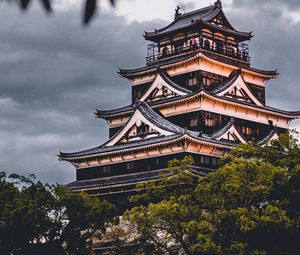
90	9
47	5
113	2
24	3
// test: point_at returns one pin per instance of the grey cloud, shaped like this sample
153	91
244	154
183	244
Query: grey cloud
54	74
267	4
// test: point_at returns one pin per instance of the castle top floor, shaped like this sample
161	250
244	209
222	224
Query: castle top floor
207	29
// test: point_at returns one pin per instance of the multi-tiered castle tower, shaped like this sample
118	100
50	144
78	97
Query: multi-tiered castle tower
197	95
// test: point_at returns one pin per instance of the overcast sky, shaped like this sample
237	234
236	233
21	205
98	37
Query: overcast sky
54	72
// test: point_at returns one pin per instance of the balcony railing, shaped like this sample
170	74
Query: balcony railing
233	54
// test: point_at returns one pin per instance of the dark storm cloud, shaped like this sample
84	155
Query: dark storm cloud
269	4
54	74
274	46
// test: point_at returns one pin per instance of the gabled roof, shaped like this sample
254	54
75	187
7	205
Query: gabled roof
218	93
203	16
161	83
228	132
272	135
143	114
166	132
128	179
202	93
236	87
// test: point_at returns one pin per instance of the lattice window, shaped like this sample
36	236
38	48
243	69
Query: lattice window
194	122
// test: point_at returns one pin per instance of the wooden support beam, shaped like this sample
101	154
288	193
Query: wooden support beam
201	147
213	150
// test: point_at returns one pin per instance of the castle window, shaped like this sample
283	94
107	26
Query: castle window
106	169
206	81
192	81
193	122
214	161
130	165
246	130
204	160
157	161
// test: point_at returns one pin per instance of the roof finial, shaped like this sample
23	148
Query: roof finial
177	13
218	3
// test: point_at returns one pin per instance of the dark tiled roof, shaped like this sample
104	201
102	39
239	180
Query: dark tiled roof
267	138
223	86
166	77
158	120
130	108
122	146
188	19
174	99
256	70
265	107
221	131
128	179
152	68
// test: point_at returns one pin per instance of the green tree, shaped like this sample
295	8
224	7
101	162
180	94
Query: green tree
250	205
40	219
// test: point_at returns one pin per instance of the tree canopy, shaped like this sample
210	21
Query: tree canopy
37	218
250	205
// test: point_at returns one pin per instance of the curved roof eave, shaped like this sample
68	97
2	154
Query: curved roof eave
127	73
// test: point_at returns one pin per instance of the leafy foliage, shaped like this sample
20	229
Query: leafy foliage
250	205
42	219
89	11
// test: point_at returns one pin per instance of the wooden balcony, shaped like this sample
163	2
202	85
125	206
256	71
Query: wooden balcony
239	57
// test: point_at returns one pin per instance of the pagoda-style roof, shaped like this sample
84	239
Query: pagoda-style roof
272	135
161	81
228	132
198	54
165	132
217	94
236	86
203	17
121	181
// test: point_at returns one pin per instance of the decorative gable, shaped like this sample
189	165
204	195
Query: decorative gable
161	88
232	135
239	90
228	133
138	127
269	138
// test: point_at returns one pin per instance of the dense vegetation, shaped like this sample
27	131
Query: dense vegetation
42	219
250	205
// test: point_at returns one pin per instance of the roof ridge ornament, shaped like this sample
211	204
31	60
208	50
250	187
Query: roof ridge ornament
218	3
177	13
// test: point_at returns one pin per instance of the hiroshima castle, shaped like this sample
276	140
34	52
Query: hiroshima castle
196	95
